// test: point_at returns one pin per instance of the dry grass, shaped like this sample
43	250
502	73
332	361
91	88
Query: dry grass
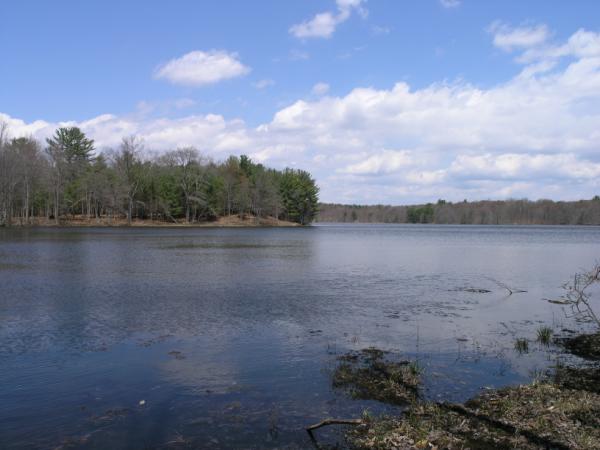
541	415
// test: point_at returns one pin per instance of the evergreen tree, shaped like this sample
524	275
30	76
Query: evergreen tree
300	196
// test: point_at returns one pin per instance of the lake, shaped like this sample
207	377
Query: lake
227	338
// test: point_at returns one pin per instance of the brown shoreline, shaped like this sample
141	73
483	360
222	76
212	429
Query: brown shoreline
104	222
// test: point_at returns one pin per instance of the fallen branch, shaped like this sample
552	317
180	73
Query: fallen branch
510	290
326	422
505	426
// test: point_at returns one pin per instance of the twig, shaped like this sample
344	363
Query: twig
511	291
330	421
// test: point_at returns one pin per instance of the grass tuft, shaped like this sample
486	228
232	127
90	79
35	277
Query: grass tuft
544	335
522	345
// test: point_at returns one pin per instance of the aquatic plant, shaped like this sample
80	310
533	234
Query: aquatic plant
544	335
366	415
522	345
371	374
415	368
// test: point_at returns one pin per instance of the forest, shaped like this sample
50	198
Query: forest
66	178
486	212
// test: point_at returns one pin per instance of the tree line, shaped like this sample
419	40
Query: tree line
66	177
486	212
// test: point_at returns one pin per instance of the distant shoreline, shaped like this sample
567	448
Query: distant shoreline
557	225
485	212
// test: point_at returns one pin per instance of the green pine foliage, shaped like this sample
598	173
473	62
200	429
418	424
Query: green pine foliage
300	196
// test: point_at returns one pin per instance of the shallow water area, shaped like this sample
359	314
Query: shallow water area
137	338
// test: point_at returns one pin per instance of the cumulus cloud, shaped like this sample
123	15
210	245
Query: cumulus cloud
534	135
200	68
522	166
320	88
210	133
323	25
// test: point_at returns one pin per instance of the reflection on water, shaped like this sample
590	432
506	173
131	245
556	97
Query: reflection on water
227	337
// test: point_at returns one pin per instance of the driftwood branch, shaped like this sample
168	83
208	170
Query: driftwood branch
510	290
505	426
326	422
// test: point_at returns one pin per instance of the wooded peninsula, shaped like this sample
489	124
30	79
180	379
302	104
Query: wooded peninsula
65	182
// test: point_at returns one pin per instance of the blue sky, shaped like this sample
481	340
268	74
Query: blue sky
384	101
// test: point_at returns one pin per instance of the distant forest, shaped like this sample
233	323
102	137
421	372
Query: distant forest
65	178
487	212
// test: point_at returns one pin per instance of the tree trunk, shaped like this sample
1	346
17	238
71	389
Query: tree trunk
129	210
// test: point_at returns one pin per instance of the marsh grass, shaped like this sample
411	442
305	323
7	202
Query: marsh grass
544	335
521	345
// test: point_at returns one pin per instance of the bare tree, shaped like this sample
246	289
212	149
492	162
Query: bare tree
29	165
578	296
129	170
7	178
190	177
230	173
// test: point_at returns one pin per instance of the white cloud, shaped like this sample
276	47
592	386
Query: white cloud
536	134
263	84
450	3
508	38
323	25
522	166
320	88
388	161
200	68
582	44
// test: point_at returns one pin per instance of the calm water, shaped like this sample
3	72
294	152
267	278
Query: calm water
228	336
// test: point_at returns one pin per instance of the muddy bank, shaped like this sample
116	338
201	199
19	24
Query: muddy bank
585	346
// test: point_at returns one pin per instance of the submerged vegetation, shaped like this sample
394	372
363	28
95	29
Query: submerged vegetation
66	179
373	374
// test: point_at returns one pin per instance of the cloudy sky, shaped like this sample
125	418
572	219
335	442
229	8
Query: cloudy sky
383	101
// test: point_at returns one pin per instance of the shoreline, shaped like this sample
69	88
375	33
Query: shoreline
221	222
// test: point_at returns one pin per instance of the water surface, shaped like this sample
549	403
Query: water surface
226	338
